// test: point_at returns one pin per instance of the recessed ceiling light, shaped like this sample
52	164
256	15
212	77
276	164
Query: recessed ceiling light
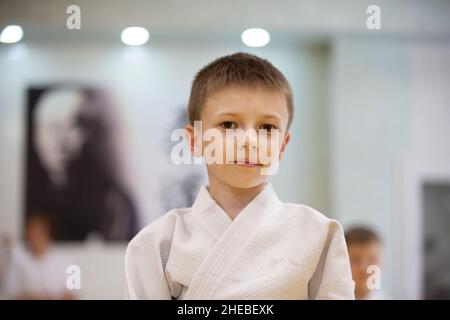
255	37
134	36
11	34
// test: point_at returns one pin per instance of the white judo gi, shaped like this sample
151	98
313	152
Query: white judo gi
271	250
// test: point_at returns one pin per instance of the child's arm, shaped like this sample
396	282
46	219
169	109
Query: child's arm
333	277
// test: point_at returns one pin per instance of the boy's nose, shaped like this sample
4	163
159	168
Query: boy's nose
250	138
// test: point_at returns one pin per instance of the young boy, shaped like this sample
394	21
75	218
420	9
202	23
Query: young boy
238	240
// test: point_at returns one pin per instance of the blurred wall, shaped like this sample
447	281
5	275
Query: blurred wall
391	129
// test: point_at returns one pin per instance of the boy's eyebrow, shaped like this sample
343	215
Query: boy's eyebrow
226	113
267	115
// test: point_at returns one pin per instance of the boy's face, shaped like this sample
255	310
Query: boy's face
38	236
242	108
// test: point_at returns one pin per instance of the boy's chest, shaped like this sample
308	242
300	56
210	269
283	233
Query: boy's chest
272	265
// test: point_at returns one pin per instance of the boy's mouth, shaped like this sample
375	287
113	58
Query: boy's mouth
247	164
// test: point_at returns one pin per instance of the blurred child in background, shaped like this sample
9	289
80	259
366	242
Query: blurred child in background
365	250
38	272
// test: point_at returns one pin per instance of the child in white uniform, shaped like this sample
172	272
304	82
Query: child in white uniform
238	240
37	272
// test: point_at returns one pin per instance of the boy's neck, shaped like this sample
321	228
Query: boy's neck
231	199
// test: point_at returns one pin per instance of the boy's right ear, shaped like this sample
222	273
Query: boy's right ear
193	145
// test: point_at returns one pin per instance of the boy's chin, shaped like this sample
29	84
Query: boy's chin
235	177
244	183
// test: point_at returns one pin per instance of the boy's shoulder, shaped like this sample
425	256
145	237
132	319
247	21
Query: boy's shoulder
162	228
158	230
309	217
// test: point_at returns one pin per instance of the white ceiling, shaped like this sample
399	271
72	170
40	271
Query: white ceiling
203	18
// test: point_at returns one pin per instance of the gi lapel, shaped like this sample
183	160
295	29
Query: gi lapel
230	245
193	237
210	215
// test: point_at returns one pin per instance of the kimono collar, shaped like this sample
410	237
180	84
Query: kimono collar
208	211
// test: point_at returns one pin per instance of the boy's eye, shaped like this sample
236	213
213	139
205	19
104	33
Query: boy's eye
268	127
228	125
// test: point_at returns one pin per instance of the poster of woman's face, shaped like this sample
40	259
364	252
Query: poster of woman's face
72	173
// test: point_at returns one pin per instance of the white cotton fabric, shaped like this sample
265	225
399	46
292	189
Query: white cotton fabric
271	250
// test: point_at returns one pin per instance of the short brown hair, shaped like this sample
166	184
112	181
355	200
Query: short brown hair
361	235
237	69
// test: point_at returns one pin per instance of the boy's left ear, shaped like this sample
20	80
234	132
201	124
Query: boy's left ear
286	140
